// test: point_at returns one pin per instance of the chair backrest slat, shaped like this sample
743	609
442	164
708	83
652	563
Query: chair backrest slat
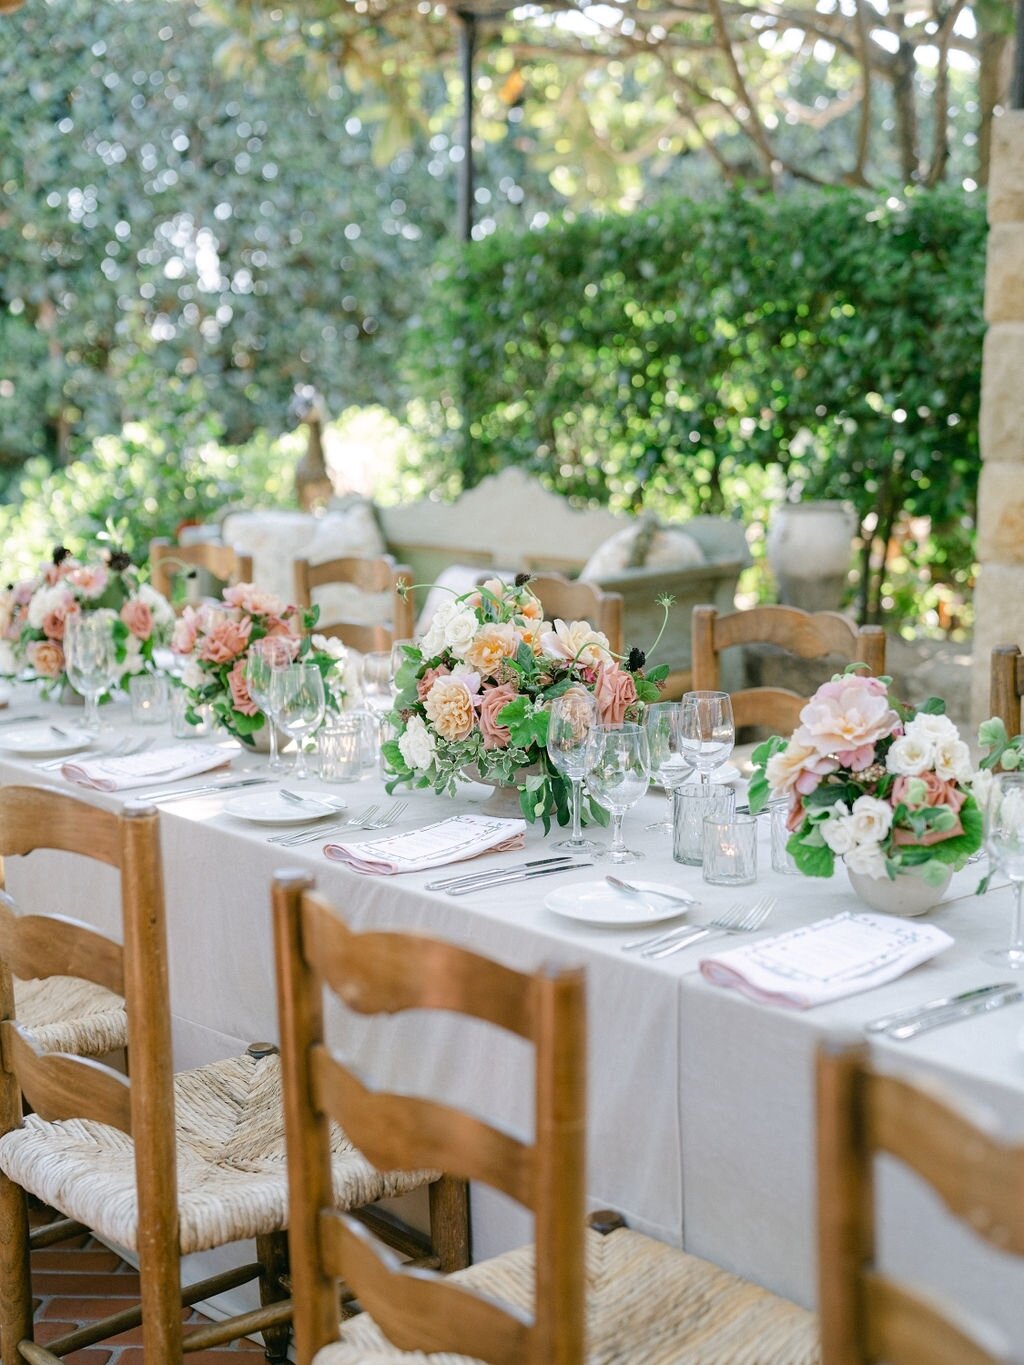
223	562
61	1086
53	945
1007	686
405	1131
571	600
867	1317
412	1301
377	972
368	575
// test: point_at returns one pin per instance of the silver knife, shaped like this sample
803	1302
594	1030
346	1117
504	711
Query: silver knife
174	794
514	877
906	1016
17	720
494	872
902	1032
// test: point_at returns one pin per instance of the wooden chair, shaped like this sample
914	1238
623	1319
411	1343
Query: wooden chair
810	635
380	575
105	1151
1006	687
571	600
222	562
635	1299
867	1316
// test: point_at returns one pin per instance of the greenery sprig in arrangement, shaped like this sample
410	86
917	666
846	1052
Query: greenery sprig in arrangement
474	696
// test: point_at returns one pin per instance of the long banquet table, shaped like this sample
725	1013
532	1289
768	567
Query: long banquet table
701	1102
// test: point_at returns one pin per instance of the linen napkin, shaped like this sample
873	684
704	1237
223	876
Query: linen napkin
826	960
445	841
169	764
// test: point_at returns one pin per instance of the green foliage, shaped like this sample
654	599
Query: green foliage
673	356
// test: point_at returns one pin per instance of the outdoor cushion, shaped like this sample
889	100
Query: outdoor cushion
643	547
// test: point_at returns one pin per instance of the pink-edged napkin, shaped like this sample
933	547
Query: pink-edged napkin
169	764
446	841
826	960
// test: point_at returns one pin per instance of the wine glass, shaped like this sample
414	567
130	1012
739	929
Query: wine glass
669	764
376	675
1004	843
264	658
618	779
398	659
706	731
90	660
572	735
299	705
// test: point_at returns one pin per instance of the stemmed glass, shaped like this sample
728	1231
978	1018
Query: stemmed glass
299	704
571	743
398	659
264	658
90	660
669	765
706	731
618	780
1004	843
376	675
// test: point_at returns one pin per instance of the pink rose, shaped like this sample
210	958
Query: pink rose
614	692
937	793
424	684
138	617
55	621
494	698
89	579
278	628
225	640
186	628
46	657
253	601
846	718
240	698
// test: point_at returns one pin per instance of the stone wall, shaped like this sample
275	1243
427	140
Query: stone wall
999	597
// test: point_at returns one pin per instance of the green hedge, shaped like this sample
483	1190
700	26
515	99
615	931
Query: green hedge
665	357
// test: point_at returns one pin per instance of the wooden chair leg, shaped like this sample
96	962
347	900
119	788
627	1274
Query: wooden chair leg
449	1223
272	1254
15	1280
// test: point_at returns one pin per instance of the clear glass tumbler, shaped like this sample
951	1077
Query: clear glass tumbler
689	807
730	850
782	859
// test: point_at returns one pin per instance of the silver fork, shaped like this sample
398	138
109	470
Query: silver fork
387	818
738	919
306	836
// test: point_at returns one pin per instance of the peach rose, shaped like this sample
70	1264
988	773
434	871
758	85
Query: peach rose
46	657
797	769
578	642
55	621
936	793
424	684
449	708
533	633
240	698
278	628
186	628
254	601
138	617
226	639
846	718
492	644
530	607
614	692
496	736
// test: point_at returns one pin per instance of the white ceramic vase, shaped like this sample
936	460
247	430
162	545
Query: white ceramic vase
809	552
907	895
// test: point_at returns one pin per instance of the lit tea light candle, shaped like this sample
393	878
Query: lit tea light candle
730	851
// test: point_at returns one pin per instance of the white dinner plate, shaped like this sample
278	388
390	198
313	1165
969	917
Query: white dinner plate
40	740
271	808
599	903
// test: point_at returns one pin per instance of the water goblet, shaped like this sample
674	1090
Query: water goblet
399	658
299	703
669	765
264	658
706	731
571	745
376	675
90	660
618	779
1004	843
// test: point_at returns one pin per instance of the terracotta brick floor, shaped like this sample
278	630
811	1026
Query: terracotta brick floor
78	1281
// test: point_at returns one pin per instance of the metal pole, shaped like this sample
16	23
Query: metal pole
467	52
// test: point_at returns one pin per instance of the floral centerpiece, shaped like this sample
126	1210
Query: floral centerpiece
884	786
474	692
215	639
34	612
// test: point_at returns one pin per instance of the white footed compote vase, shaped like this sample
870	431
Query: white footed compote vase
619	779
1004	841
572	746
908	894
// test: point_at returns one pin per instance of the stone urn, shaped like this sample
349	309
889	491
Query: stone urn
908	894
809	546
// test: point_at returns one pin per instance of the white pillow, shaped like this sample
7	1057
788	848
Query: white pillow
670	548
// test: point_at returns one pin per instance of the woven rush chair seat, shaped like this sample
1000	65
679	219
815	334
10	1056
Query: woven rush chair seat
645	1303
70	1014
232	1180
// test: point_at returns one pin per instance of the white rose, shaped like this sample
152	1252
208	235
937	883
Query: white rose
133	660
866	859
870	819
837	831
192	676
932	728
433	641
163	612
329	645
981	786
460	631
416	745
910	756
8	663
44	601
953	760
